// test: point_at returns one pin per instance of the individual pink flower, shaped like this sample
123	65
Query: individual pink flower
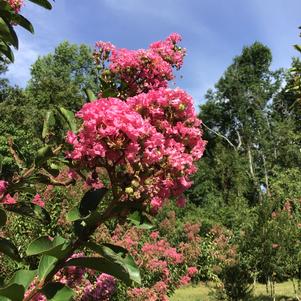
3	187
8	200
191	271
37	200
185	280
156	203
154	235
181	201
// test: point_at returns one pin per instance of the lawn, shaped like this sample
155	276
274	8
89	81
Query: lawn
284	292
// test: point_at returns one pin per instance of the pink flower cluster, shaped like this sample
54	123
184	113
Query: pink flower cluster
111	131
172	113
37	200
144	69
162	265
101	289
149	142
156	133
3	187
5	198
15	5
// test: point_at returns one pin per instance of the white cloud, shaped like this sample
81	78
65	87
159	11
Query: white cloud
18	72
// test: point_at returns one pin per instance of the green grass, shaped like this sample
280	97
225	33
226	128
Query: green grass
284	292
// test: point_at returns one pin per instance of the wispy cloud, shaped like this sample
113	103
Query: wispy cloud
214	31
18	72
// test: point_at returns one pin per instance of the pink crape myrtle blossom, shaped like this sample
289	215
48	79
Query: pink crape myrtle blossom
111	131
152	138
8	200
144	69
37	200
101	289
15	5
157	260
3	187
163	148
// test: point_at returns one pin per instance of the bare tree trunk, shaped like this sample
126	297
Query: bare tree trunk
251	163
266	174
219	134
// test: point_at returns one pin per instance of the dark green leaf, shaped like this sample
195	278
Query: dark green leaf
43	245
118	255
104	265
44	3
5	49
9	249
84	227
30	210
298	47
18	284
8	34
70	118
56	291
91	200
46	265
3	218
43	155
22	21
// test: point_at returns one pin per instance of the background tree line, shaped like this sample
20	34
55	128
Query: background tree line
249	178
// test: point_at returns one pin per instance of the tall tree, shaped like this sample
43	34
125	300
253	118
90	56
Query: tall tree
237	111
60	77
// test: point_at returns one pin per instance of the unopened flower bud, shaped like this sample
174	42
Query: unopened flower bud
182	107
129	190
135	183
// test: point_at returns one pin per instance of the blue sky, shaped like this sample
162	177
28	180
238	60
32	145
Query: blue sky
213	31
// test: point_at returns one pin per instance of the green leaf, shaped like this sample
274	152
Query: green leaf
43	245
9	249
18	284
3	218
104	265
70	118
22	21
46	265
8	34
56	291
91	200
85	226
298	47
49	122
30	210
44	3
74	215
140	221
1	159
90	95
5	49
43	155
118	255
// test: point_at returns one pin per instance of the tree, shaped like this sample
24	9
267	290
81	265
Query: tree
58	79
237	111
